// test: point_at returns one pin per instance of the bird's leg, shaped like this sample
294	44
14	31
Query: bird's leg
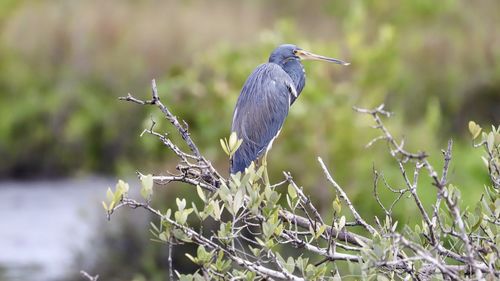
266	175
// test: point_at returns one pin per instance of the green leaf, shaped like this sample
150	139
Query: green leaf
147	186
200	193
233	139
154	227
236	182
223	144
255	251
320	272
474	129
187	277
147	181
267	230
182	216
302	263
118	196
250	276
181	204
193	259
337	206
223	192
270	244
485	161
203	255
180	235
360	242
290	265
109	194
122	186
105	206
292	192
217	211
246	178
168	213
279	258
490	141
260	171
278	229
260	241
238	201
221	265
310	269
320	231
178	216
234	143
342	222
145	194
478	223
164	236
238	144
224	231
289	202
199	214
381	277
394	226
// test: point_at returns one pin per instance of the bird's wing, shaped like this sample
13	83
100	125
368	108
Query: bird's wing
260	112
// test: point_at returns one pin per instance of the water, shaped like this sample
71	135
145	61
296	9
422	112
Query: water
44	224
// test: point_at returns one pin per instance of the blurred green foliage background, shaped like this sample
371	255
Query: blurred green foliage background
63	64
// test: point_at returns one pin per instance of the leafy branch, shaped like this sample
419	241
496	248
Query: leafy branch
255	223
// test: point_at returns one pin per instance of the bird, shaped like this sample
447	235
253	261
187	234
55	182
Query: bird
265	100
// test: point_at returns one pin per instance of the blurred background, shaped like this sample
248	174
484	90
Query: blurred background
65	137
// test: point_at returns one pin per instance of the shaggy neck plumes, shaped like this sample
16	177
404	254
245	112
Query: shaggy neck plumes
294	68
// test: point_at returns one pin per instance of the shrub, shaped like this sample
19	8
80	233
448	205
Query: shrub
247	228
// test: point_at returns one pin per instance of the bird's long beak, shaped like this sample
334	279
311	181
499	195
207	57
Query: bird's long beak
305	55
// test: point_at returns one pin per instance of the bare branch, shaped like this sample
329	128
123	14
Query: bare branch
343	235
216	177
88	276
306	200
323	252
343	196
429	257
163	180
413	190
170	262
398	148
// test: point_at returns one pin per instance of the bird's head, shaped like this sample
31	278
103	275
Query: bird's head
287	52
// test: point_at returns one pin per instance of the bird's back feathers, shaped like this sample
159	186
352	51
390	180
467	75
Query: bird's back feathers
260	111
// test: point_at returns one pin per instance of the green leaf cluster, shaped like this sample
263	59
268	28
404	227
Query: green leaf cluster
232	145
114	197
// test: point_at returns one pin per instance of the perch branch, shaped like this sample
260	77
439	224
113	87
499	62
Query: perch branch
343	196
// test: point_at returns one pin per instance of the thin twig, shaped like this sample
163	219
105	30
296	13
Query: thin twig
183	131
170	262
306	200
398	148
163	180
343	196
88	276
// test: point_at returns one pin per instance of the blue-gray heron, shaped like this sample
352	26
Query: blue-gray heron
265	99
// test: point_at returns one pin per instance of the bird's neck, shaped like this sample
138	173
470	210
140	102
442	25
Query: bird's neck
295	70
